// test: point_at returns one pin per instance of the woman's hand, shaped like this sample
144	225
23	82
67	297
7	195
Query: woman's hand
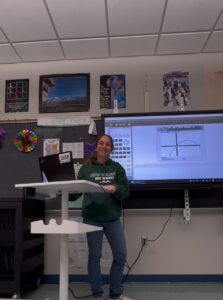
110	187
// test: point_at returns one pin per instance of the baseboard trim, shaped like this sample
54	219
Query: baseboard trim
54	279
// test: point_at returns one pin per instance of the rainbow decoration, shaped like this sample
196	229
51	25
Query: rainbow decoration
25	140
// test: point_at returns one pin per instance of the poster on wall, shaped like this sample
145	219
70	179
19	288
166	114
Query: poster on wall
51	146
176	89
112	87
16	95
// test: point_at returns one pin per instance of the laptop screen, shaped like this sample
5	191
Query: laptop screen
57	167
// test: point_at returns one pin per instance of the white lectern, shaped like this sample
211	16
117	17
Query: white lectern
66	227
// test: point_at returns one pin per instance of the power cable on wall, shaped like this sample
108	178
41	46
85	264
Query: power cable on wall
129	267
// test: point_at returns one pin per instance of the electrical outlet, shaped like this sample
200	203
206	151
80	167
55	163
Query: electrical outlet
144	240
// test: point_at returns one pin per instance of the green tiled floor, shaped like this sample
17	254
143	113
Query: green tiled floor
138	291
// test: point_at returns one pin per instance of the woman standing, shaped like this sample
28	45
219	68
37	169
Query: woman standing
104	210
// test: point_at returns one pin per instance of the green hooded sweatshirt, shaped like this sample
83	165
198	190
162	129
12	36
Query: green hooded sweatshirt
104	206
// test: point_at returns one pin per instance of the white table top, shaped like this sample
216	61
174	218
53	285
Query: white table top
72	186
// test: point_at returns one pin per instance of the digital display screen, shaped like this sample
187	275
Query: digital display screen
178	149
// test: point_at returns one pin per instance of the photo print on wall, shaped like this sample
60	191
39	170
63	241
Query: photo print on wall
112	87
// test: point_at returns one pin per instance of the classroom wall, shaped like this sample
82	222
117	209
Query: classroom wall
135	70
193	248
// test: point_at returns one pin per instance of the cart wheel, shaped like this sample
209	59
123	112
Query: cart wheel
36	283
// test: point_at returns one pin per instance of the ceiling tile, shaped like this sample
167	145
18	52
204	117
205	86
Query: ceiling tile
215	43
107	28
78	18
133	46
3	38
191	15
89	48
219	25
134	17
39	51
181	43
8	55
25	20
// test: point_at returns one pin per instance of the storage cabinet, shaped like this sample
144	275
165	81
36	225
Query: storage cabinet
21	253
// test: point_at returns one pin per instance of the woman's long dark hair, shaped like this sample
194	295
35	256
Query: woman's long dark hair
90	159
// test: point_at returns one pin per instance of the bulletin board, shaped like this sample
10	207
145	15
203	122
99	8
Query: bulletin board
18	167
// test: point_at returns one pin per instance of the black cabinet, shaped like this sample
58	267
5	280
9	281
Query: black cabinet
21	252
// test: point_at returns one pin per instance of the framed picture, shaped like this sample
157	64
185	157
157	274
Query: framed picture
64	93
112	87
16	95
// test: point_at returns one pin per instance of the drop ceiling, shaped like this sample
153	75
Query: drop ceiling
51	30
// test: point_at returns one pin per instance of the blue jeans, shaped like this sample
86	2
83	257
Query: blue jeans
115	235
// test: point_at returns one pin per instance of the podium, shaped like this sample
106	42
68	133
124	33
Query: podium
66	227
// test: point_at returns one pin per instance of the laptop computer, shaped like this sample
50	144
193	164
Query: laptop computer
57	167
